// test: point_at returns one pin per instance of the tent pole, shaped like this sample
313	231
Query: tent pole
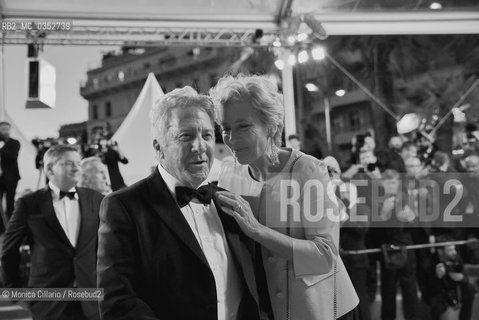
288	96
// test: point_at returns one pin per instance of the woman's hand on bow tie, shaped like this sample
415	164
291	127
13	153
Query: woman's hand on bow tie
240	210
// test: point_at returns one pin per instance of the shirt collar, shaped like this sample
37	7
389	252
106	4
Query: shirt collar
172	182
56	191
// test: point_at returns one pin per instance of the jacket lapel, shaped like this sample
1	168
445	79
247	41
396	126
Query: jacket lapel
237	247
88	224
166	207
45	203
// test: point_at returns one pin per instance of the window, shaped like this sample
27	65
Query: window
94	112
355	121
338	123
108	109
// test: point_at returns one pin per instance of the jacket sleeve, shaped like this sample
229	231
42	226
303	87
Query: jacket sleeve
117	267
13	151
16	232
316	253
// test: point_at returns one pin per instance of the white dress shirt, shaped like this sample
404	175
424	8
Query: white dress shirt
208	230
68	213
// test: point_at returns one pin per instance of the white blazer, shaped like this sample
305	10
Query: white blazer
306	285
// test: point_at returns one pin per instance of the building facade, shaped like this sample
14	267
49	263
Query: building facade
112	89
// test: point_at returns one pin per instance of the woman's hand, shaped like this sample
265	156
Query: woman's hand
240	210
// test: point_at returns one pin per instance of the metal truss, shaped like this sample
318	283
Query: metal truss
137	36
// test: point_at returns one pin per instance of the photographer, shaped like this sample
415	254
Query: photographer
451	294
9	173
110	154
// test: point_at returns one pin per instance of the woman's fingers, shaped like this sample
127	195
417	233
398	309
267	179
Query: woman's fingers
227	200
238	217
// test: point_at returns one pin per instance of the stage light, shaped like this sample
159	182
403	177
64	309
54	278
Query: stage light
302	36
71	140
316	27
318	53
311	87
279	64
276	43
340	93
408	123
292	60
435	6
291	40
303	56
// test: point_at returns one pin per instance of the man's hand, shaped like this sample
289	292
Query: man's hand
456	276
387	208
440	270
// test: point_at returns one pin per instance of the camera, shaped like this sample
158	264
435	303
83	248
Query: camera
454	266
371	167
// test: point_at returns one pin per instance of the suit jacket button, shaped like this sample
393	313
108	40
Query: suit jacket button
280	294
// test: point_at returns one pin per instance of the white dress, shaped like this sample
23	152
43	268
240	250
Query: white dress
304	287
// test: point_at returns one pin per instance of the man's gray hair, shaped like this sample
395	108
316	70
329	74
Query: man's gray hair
182	98
53	154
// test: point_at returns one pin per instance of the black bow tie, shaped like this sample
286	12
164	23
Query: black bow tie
70	194
184	195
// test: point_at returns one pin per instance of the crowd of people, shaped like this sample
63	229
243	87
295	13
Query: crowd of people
273	238
402	186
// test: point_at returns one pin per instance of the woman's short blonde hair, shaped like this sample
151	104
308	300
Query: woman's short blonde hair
94	175
263	95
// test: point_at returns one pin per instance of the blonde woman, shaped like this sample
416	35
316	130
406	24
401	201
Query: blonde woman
306	279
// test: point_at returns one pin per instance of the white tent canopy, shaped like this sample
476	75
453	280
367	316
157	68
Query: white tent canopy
134	136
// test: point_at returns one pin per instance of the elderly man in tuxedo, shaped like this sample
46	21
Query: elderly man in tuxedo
166	250
60	223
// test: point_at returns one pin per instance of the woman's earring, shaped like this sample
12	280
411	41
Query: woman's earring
236	160
273	156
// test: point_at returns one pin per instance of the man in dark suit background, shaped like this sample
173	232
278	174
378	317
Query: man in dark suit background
9	174
60	223
165	251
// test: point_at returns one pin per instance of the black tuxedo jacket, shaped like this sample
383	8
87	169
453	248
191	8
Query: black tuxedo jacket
8	160
55	263
151	265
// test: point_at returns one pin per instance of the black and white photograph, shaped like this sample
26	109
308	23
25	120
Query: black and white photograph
239	160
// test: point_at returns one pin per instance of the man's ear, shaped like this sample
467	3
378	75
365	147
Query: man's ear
48	170
157	148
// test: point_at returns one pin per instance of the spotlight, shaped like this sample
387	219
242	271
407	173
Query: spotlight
311	87
318	53
291	40
71	140
196	51
435	6
302	36
276	43
340	93
279	64
303	56
290	26
292	60
316	27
